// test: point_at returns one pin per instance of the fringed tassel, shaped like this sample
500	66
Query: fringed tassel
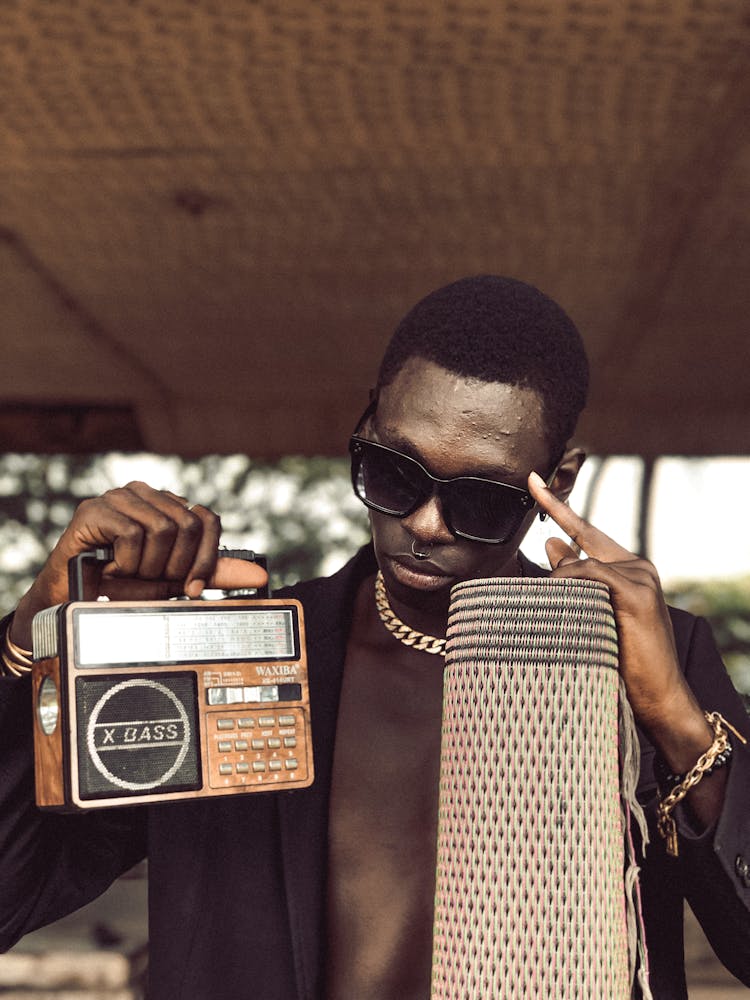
630	764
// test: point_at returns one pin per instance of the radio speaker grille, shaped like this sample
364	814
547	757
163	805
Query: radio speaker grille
137	735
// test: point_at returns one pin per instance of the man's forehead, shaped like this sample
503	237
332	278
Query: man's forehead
424	388
457	422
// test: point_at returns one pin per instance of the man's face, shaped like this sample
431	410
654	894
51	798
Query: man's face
454	426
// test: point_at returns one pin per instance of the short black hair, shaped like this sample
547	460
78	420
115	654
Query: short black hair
499	330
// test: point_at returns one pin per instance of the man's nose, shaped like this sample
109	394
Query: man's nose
427	523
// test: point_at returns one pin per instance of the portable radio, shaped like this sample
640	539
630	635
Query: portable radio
143	702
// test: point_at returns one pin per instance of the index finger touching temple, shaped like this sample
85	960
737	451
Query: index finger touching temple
589	539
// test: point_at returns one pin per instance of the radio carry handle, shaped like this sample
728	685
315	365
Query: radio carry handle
103	554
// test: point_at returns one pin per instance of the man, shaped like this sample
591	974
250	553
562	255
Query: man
328	891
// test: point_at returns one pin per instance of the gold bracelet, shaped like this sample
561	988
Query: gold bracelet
23	657
16	661
12	669
666	823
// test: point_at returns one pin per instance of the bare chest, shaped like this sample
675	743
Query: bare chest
383	825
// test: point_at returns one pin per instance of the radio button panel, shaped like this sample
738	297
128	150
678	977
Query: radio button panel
271	756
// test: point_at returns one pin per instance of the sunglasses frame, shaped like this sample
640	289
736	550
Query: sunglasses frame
356	450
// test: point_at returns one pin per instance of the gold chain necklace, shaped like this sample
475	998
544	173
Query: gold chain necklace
409	637
403	632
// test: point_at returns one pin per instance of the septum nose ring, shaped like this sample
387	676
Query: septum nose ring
418	554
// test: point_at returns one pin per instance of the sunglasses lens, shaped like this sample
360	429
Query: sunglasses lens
488	512
387	480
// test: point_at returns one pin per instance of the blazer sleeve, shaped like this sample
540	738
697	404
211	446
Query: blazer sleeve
714	866
50	863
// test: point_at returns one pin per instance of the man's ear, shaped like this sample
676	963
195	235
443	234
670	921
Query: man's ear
565	476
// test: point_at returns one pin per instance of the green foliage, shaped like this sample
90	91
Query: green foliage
726	605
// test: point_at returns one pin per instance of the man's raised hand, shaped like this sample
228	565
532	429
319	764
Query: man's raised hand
162	546
658	693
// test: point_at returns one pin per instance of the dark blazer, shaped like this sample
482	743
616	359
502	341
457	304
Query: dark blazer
237	885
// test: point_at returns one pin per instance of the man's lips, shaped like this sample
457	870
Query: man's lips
420	574
425	566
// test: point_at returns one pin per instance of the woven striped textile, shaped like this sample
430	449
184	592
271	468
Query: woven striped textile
530	894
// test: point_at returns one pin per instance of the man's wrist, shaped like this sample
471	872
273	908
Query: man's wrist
680	733
15	661
692	782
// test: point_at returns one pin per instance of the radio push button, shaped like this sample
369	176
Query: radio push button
258	744
240	744
225	695
287	720
246	723
290	741
274	765
225	768
291	764
225	723
243	767
274	743
267	720
259	765
290	692
225	746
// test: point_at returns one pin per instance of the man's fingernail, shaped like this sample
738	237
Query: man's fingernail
195	588
537	480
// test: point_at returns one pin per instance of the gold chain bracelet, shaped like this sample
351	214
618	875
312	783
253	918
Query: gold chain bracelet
666	824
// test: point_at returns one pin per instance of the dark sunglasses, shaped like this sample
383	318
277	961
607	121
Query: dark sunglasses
481	510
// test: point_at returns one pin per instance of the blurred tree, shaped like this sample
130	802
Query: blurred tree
300	512
726	605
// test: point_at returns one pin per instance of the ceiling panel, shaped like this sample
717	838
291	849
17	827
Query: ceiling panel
212	214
